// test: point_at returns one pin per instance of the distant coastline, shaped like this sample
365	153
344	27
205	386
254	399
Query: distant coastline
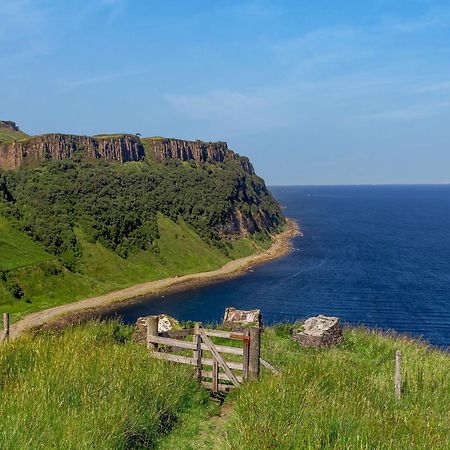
91	307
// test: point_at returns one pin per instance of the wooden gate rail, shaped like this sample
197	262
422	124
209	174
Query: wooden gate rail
218	359
221	374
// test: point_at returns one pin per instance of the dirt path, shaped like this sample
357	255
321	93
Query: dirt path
280	247
212	433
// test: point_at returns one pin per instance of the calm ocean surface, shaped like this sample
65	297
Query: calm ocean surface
373	255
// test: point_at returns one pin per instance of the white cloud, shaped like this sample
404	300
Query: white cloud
255	9
433	18
114	8
237	111
100	78
438	87
321	46
409	112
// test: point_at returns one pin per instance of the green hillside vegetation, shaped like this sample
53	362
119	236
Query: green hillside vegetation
17	249
7	135
90	385
33	279
343	398
74	228
89	388
107	136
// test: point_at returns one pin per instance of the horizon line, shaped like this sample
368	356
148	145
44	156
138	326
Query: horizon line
359	184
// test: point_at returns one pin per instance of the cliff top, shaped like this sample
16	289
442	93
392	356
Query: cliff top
10	131
18	148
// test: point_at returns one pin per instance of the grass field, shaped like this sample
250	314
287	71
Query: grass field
90	387
45	282
343	398
17	249
7	135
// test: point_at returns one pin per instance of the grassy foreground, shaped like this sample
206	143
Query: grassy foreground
89	387
343	398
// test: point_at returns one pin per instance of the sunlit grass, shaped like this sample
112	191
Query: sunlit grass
89	388
344	397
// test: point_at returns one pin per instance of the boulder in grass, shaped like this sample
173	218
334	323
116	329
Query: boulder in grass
320	331
165	323
240	318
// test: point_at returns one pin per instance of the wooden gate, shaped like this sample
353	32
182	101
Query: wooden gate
198	349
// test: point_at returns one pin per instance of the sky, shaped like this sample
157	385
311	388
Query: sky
314	92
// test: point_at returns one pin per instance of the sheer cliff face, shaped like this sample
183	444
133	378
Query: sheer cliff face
120	148
163	149
60	146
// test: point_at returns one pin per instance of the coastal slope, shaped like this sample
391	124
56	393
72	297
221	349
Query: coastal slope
83	308
82	216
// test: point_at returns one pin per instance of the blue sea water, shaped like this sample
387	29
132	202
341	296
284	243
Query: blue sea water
372	255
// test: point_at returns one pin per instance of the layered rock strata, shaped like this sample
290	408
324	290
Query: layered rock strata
163	149
119	148
60	146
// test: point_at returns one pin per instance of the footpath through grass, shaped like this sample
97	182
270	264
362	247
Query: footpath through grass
90	387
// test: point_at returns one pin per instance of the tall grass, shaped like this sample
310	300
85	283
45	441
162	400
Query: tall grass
343	398
89	388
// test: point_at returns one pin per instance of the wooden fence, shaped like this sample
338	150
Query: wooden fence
221	374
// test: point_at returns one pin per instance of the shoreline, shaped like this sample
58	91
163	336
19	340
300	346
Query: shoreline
62	315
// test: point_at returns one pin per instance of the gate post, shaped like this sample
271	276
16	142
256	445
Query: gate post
6	326
246	357
152	330
254	352
198	350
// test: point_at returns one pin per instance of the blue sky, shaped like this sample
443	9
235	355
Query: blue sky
314	92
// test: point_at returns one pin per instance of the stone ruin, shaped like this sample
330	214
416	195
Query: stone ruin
165	323
238	317
320	331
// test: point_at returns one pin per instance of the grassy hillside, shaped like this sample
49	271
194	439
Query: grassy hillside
7	135
90	385
344	397
17	249
89	388
32	279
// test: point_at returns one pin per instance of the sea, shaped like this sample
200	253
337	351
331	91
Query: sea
377	256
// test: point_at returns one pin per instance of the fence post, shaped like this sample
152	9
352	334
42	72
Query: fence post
6	326
152	330
398	378
246	353
198	351
215	376
254	353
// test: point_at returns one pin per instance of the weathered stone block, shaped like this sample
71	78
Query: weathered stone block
239	317
320	331
165	323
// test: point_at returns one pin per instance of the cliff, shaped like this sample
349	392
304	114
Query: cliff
18	149
162	149
32	150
